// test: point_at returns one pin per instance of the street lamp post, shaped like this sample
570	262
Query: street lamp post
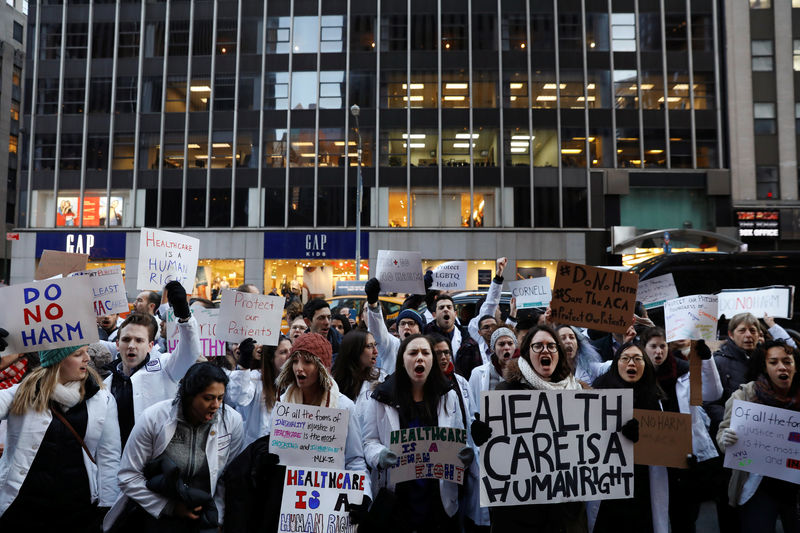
355	110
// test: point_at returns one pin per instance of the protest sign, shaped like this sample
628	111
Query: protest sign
665	439
532	292
775	301
400	272
655	291
243	315
316	500
428	453
48	314
346	288
309	436
593	297
555	446
207	331
769	441
691	317
107	290
450	276
54	263
165	256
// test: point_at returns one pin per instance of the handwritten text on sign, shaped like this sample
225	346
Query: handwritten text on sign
450	276
774	301
244	315
309	436
769	441
48	314
655	291
207	324
594	297
555	446
165	256
532	292
428	453
691	317
665	439
107	290
315	500
400	272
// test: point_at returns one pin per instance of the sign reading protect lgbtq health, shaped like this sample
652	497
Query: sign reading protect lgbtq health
769	441
315	500
400	272
776	301
207	324
691	317
165	256
594	297
654	292
309	436
450	276
533	292
555	446
48	314
107	290
428	453
243	315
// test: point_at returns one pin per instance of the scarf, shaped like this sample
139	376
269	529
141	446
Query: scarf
533	379
450	369
67	396
766	394
13	374
330	398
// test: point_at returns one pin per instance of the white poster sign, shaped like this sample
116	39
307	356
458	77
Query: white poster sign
775	301
428	453
691	317
532	292
543	440
207	324
48	314
243	315
316	500
450	276
107	290
769	441
400	272
165	256
654	292
309	436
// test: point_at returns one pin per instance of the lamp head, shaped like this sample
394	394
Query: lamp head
355	110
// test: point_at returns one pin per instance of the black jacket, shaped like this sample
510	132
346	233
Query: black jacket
122	390
732	364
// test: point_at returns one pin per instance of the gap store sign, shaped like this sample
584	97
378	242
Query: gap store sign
314	245
99	245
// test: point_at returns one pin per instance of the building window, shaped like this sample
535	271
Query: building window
767	183
796	54
762	55
17	32
795	3
797	118
764	117
763	4
623	32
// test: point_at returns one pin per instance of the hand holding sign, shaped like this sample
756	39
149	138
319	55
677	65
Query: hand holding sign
400	271
165	256
244	315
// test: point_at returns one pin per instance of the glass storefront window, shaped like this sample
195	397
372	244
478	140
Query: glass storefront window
65	211
215	275
536	269
312	278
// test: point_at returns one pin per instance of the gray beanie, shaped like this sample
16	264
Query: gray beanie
502	332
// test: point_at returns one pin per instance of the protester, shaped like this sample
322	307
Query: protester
107	327
582	355
147	302
444	324
481	326
761	499
354	370
58	470
317	315
340	323
408	322
297	327
171	470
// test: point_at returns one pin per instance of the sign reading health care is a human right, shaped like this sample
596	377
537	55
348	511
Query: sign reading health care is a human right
165	256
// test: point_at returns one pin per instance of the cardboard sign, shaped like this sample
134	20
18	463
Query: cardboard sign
594	297
428	453
769	441
243	315
207	326
54	263
533	292
316	500
450	276
544	440
165	256
655	291
48	314
309	436
775	301
695	377
400	272
107	290
665	439
691	317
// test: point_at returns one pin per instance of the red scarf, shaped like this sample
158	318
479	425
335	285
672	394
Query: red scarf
13	374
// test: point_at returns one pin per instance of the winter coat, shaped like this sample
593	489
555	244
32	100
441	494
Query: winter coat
479	381
702	444
387	343
732	363
488	308
245	393
743	485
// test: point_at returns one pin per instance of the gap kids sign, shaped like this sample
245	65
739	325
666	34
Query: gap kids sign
98	245
314	245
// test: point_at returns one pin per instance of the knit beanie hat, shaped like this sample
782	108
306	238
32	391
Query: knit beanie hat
316	345
413	315
53	357
502	332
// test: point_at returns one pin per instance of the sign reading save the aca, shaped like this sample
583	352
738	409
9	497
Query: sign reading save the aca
428	453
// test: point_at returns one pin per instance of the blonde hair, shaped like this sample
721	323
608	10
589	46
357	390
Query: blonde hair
36	390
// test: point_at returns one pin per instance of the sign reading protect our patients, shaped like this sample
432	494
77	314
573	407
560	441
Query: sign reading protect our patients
165	256
243	315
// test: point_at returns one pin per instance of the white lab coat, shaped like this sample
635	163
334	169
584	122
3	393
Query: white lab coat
245	393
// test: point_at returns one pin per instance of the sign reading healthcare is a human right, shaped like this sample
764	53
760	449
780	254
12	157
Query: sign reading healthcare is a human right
165	256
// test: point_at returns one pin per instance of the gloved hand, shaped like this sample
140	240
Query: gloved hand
691	460
386	459
466	455
358	511
702	350
630	430
480	431
246	348
729	437
3	343
176	296
372	288
428	279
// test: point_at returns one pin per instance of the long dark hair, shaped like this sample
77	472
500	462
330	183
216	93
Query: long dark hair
435	386
197	379
646	392
268	374
347	369
563	366
757	365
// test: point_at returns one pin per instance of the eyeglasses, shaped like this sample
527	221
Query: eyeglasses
442	352
539	347
303	327
638	360
370	346
408	323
